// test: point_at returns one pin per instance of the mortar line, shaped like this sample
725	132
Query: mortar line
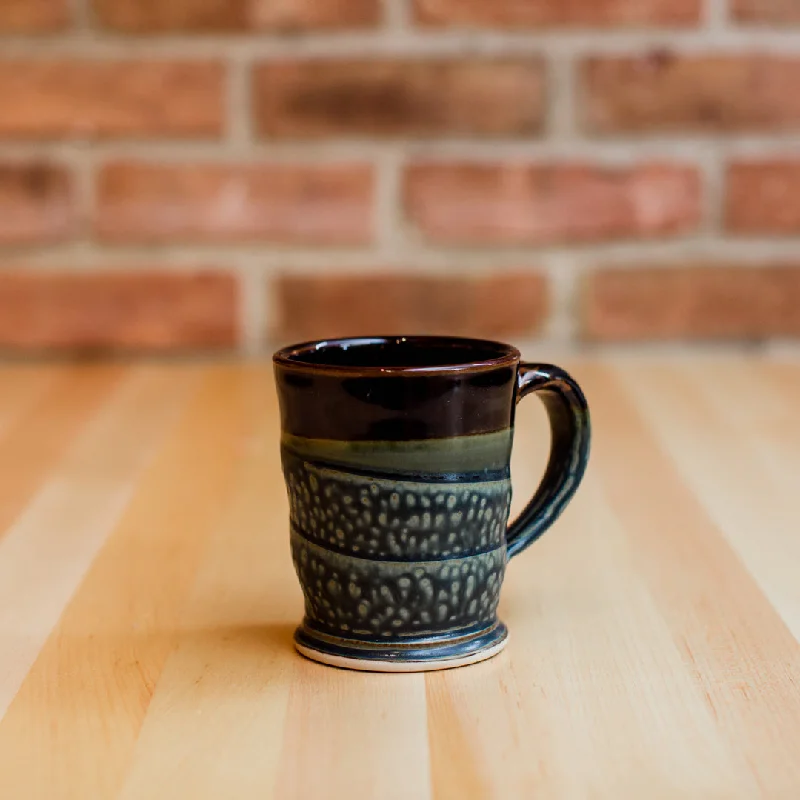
396	16
81	15
714	193
85	196
388	42
238	121
387	208
562	271
620	150
561	99
252	305
716	14
412	256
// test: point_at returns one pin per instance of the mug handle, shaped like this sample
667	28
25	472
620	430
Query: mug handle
570	429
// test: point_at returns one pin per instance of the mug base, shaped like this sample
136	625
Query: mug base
410	657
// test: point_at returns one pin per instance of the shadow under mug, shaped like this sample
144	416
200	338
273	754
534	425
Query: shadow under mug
396	454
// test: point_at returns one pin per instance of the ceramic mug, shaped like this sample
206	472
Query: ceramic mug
396	456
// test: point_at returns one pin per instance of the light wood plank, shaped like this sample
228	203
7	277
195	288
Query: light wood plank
100	665
780	434
719	452
54	414
739	650
214	726
48	550
20	387
357	735
760	400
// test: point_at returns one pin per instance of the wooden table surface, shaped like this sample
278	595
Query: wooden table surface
147	602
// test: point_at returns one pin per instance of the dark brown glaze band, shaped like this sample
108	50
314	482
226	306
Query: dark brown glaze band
396	388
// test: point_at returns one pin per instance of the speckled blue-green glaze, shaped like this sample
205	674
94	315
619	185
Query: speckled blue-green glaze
376	515
363	597
397	468
390	553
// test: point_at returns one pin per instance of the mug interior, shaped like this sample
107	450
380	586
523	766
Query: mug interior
414	353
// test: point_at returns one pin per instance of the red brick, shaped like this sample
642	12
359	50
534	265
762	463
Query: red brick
326	97
766	11
152	16
143	310
325	204
545	13
33	16
663	92
502	304
36	203
519	203
693	301
763	197
66	97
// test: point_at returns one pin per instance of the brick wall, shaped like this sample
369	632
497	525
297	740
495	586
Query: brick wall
235	173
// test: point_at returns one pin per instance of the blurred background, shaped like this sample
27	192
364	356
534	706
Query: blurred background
195	175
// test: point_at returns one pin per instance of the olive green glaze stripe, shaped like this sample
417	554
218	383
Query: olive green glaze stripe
485	451
420	488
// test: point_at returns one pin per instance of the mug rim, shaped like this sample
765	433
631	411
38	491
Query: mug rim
291	356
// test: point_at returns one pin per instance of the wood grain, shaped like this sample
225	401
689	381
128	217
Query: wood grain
147	602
